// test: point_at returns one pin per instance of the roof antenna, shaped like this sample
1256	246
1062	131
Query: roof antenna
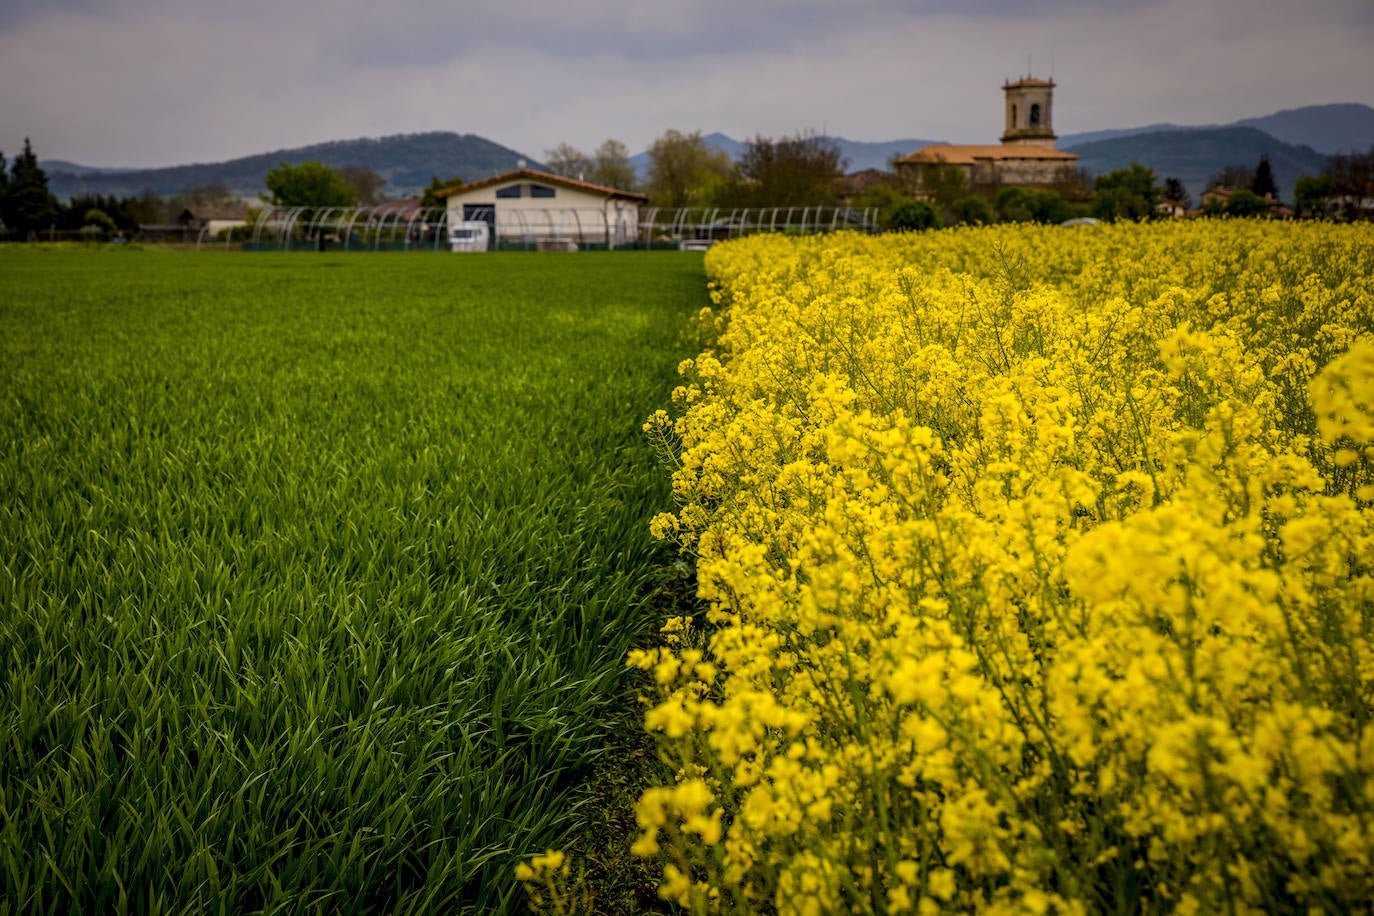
1029	71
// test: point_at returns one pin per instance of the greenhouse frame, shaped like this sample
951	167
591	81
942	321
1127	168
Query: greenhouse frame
388	227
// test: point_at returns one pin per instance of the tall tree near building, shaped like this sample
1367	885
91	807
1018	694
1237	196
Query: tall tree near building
611	166
1233	177
430	198
367	183
310	184
1175	191
147	208
1353	176
568	161
1129	193
685	171
29	205
1264	185
1312	196
796	171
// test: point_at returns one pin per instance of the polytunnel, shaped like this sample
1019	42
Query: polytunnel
401	227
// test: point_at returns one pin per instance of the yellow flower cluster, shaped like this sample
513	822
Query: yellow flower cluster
1040	575
552	886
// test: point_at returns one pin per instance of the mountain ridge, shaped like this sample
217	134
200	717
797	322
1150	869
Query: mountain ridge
406	161
1301	137
1340	127
1194	155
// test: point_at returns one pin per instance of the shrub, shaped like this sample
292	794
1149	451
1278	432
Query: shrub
914	215
974	211
1246	203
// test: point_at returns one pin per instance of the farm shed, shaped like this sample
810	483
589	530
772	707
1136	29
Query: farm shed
528	206
212	219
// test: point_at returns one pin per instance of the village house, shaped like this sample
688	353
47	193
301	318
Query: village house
550	211
1026	156
1218	198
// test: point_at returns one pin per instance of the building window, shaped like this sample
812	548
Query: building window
1014	125
1035	115
539	190
509	192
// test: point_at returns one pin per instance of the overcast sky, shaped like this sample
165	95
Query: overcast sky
166	82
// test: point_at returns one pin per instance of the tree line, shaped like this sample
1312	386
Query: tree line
684	170
806	169
28	208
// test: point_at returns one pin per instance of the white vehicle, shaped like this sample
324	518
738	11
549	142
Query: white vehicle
470	235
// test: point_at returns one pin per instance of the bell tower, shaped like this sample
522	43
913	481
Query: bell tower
1029	113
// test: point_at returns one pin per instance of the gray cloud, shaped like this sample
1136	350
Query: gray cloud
146	82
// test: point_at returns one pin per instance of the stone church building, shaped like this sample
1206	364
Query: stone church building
1026	155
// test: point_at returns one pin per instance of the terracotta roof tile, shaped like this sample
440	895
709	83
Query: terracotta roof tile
546	177
962	154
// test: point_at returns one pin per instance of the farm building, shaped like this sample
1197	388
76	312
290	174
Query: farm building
528	206
1026	155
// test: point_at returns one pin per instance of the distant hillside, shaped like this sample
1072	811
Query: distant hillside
877	155
1345	128
1092	136
1327	129
1295	139
1194	155
859	154
53	166
406	161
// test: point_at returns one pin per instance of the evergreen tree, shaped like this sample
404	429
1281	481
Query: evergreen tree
4	193
29	205
430	199
1175	191
1263	184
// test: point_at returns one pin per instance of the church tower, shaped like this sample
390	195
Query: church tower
1028	113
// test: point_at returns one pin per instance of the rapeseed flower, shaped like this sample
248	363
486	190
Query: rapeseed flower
1038	570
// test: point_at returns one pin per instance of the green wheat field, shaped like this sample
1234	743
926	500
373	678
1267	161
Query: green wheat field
318	572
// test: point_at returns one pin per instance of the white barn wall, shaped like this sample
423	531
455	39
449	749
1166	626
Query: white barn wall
570	213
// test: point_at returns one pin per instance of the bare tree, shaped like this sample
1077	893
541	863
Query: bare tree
366	182
612	166
1353	177
1234	177
568	161
794	171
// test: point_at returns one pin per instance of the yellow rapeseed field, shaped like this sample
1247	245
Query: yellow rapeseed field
1040	574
